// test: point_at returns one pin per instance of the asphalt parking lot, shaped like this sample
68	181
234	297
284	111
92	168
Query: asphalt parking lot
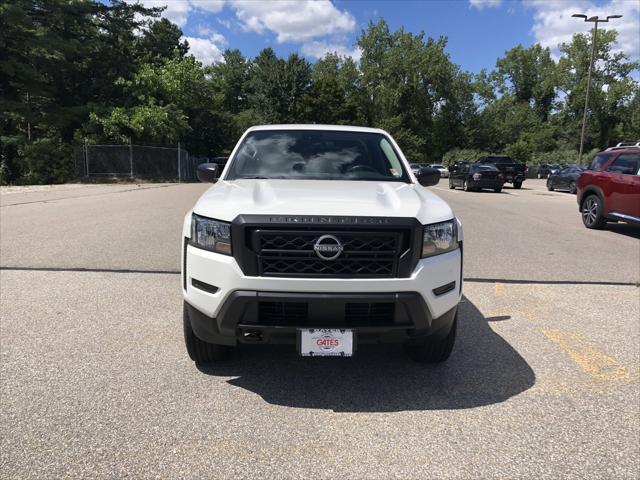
544	380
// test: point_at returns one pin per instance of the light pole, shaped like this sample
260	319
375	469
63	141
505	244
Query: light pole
595	20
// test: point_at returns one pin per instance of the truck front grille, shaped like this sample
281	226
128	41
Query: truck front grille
291	253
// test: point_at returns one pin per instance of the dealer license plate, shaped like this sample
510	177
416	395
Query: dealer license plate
322	342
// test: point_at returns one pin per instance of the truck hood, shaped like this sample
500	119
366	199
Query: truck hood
227	199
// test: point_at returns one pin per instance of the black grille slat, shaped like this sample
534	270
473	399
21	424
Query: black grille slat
365	253
297	314
372	314
282	313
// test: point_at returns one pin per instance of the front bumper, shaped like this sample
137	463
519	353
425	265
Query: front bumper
239	319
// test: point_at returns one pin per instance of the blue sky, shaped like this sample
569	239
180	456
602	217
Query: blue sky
479	31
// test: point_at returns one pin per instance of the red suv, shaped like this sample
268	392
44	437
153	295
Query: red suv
609	190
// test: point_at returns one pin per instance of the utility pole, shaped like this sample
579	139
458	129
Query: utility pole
595	20
130	159
179	169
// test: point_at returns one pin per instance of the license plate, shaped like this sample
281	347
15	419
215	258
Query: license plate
322	342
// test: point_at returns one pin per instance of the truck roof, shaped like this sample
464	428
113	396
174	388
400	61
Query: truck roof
313	126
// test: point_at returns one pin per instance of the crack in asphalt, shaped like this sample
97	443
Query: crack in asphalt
467	279
138	189
92	270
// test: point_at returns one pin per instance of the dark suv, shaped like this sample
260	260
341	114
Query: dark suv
609	190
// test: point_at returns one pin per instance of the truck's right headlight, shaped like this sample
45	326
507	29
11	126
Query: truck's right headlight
211	234
439	238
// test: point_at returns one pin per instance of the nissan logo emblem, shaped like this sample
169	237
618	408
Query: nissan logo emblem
328	247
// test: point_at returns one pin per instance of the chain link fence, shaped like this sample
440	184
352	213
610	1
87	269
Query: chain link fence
137	161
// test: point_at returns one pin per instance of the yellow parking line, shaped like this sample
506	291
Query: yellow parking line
596	363
498	289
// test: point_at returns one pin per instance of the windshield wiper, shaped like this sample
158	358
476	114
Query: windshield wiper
260	177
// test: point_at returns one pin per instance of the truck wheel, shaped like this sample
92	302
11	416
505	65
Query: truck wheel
539	176
572	188
517	184
591	210
199	351
549	185
433	350
465	186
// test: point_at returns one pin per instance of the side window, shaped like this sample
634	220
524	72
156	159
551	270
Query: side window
626	163
392	158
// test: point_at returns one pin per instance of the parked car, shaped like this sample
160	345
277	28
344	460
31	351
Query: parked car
547	169
565	179
444	172
513	172
476	176
609	190
318	237
415	167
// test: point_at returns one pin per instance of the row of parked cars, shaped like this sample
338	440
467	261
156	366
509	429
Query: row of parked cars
490	172
608	190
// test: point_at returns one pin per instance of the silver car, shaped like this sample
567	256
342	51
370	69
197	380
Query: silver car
444	172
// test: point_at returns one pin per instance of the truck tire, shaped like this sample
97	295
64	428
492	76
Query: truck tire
198	350
517	184
549	185
539	176
465	186
433	350
591	211
572	188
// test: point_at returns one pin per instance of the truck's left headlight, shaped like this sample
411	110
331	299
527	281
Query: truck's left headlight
210	234
439	238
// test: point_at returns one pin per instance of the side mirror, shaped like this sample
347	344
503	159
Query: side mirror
428	176
207	172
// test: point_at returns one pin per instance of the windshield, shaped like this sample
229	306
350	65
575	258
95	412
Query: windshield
317	155
599	161
497	160
485	167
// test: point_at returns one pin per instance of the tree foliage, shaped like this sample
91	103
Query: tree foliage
116	72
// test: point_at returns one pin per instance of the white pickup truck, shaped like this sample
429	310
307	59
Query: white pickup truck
321	237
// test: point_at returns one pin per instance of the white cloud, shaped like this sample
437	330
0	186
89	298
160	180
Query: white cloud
293	20
211	34
481	4
320	49
204	50
178	10
213	6
554	25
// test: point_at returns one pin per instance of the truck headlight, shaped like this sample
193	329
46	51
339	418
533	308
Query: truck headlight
439	238
210	234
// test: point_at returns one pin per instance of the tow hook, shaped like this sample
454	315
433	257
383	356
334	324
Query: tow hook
253	336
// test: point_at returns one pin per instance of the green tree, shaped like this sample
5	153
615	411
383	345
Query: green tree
529	75
414	90
333	97
612	91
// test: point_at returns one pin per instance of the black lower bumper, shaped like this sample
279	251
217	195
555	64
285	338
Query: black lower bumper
270	317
